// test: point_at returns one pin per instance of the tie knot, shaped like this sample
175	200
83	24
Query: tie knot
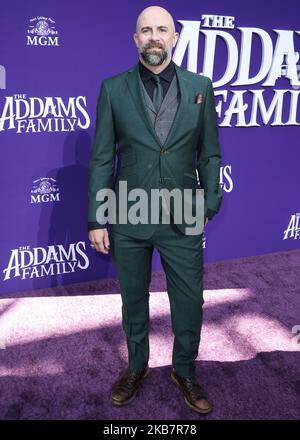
156	79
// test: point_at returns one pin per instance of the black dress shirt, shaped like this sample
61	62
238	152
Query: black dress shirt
165	75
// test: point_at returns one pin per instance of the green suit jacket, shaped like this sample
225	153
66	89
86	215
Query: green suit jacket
192	143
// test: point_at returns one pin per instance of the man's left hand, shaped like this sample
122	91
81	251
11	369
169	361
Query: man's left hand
206	221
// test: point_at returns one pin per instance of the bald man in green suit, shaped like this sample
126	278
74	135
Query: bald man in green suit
163	120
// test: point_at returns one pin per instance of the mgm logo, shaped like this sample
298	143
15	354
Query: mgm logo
44	190
42	32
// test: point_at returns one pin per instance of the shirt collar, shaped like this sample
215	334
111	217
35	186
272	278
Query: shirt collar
167	74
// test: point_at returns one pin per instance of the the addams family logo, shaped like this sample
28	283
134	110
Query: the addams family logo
44	190
26	262
226	181
42	32
245	102
25	114
293	229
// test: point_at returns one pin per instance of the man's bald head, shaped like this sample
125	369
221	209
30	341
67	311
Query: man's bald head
155	37
157	14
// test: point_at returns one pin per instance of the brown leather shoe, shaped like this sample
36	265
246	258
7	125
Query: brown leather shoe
125	388
194	394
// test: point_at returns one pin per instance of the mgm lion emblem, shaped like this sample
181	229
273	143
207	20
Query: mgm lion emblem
42	28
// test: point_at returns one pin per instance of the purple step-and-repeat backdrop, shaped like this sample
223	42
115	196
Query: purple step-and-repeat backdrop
53	57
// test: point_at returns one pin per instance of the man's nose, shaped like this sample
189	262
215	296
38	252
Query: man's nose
155	41
155	36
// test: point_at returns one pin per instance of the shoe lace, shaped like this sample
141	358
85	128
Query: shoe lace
128	381
196	391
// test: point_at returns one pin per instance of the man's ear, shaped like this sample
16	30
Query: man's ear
135	39
175	38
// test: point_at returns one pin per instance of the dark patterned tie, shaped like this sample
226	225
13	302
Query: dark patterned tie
158	93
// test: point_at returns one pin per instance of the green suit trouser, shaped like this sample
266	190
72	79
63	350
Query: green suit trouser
182	260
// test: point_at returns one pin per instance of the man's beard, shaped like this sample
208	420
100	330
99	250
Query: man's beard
154	58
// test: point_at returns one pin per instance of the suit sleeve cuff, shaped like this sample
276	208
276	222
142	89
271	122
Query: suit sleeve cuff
95	225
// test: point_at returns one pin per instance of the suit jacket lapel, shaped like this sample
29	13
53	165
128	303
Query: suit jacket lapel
176	126
133	81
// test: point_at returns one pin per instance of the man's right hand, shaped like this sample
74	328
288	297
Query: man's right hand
99	240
